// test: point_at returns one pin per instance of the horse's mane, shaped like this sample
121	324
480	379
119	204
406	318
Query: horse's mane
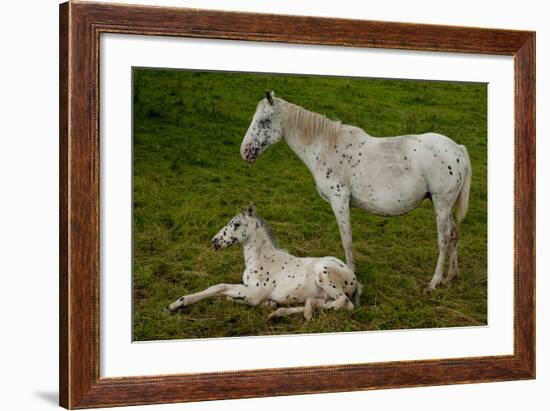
311	126
269	231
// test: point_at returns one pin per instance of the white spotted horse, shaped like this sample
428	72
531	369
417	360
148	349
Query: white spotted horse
273	277
386	176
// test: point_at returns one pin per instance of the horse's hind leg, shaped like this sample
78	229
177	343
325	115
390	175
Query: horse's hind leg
453	255
444	223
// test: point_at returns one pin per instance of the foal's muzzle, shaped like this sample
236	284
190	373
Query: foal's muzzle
216	243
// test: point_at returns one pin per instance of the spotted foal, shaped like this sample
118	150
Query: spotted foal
273	277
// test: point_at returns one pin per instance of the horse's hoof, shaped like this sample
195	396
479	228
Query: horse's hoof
428	290
447	281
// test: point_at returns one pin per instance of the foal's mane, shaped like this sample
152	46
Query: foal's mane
310	126
269	231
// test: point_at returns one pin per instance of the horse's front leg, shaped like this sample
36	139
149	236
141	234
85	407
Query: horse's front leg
340	207
235	291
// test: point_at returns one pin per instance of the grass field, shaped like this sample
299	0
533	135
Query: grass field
189	180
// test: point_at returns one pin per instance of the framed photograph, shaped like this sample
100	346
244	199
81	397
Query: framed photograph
260	205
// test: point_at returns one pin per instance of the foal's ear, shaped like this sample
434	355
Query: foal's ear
251	210
269	96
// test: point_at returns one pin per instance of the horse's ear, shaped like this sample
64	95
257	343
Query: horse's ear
251	210
269	96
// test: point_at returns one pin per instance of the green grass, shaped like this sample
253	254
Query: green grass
189	180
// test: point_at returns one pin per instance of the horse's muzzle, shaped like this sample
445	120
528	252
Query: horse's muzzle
250	153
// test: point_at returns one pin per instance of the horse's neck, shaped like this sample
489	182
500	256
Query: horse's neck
308	150
257	247
309	153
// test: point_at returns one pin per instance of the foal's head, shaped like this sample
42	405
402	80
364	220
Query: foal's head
265	129
237	230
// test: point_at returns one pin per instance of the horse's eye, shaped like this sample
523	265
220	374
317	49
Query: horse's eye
266	123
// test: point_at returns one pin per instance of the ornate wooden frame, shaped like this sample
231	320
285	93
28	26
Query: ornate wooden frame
80	27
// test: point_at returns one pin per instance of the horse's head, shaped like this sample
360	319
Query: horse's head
265	129
237	230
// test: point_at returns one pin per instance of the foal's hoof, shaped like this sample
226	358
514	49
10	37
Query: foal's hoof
275	314
180	302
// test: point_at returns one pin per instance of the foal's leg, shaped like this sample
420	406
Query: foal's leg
341	301
284	311
338	304
265	303
237	291
453	255
340	208
337	298
307	310
443	218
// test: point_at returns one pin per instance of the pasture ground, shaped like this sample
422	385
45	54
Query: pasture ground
189	180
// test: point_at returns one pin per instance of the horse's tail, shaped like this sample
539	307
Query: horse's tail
356	297
461	203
